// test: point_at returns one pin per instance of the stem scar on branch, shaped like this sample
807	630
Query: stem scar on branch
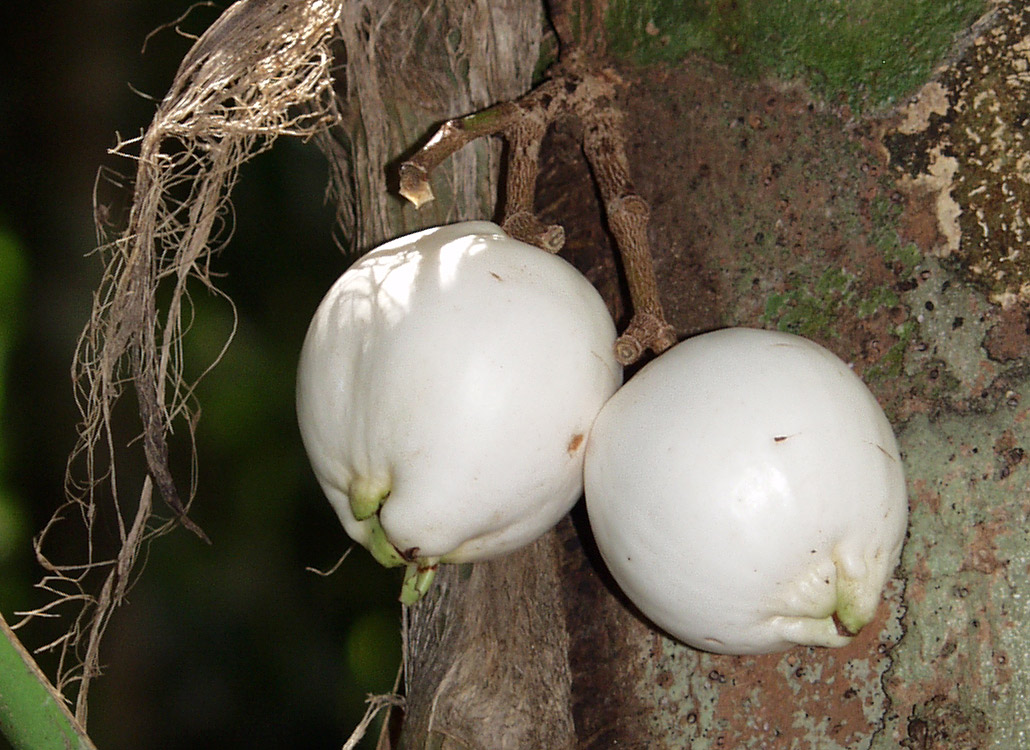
572	91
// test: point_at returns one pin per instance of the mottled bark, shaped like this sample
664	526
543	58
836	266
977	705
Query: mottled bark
768	210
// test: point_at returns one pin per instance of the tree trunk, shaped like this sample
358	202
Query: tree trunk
893	241
484	668
409	67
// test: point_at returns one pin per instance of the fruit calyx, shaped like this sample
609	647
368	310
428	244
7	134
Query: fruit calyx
367	497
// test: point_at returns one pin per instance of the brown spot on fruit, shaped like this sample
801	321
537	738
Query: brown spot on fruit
577	440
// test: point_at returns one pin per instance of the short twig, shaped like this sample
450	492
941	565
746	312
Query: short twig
590	97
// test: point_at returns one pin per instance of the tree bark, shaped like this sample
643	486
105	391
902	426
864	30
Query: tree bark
409	67
487	650
488	657
767	211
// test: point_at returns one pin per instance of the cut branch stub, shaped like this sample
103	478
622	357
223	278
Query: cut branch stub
590	97
452	135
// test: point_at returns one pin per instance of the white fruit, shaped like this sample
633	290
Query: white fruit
746	492
445	391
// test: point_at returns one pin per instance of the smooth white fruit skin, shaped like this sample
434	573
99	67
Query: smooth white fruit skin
462	370
742	488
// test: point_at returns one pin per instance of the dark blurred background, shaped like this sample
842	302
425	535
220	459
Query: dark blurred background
236	644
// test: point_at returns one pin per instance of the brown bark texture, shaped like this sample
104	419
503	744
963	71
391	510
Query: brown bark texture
489	661
487	649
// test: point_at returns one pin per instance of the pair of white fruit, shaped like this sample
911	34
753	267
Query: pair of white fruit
455	397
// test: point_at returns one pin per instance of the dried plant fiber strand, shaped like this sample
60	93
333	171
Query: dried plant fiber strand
262	70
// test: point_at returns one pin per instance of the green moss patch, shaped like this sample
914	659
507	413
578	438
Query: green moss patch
866	53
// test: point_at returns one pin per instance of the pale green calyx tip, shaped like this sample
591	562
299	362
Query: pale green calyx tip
849	619
855	608
417	580
381	548
367	496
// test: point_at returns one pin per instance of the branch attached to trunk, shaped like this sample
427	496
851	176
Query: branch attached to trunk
589	96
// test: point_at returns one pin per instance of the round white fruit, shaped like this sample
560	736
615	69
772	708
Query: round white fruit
445	390
746	492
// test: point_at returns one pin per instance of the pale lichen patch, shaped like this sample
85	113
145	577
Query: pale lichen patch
932	100
952	320
967	595
964	137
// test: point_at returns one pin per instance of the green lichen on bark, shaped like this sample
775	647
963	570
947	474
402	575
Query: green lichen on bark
952	319
967	597
812	310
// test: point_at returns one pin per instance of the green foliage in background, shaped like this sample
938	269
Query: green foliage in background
14	526
33	715
867	53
